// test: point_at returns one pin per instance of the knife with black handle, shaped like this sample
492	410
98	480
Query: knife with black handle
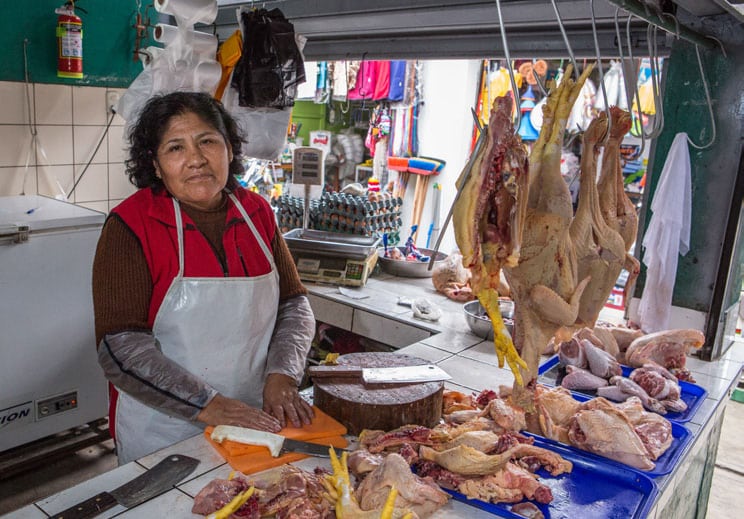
158	480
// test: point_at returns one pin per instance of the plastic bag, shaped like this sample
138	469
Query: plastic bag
271	65
264	129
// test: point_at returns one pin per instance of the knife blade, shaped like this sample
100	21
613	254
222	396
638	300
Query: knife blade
276	443
389	375
157	480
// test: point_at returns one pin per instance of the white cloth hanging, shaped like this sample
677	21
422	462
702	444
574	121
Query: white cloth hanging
667	236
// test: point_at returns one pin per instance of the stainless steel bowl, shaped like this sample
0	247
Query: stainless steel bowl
480	323
409	269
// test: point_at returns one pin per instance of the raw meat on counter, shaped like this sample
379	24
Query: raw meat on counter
591	368
623	432
296	493
667	348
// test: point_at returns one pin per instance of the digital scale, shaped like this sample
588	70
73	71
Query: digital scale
332	257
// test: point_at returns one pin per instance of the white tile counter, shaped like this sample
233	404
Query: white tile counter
473	366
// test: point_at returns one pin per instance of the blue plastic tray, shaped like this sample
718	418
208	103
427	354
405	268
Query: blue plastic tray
692	394
681	438
592	489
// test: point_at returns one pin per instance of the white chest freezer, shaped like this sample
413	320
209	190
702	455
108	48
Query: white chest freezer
50	380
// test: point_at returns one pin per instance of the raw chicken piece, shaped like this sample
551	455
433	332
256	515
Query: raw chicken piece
450	278
361	462
630	388
609	433
470	462
488	217
555	408
484	441
600	250
528	510
600	362
498	487
654	431
655	383
420	495
459	417
581	379
456	401
601	338
613	393
667	348
506	416
623	336
571	353
414	434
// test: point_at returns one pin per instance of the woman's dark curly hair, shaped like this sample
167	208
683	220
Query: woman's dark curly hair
146	134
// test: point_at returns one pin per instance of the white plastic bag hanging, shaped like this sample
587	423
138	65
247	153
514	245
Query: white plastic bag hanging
667	236
615	87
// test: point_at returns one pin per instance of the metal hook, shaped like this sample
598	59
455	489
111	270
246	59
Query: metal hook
540	86
515	90
651	32
710	105
346	73
628	80
565	39
635	83
601	74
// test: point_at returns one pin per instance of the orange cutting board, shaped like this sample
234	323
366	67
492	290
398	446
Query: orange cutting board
248	459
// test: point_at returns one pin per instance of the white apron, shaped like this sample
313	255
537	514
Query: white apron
218	329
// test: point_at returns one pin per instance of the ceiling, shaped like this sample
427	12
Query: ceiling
391	29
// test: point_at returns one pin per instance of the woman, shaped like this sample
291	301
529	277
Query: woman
201	318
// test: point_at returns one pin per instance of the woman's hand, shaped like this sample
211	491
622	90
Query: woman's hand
281	400
228	411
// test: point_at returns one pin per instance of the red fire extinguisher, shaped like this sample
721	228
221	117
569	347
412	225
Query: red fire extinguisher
69	42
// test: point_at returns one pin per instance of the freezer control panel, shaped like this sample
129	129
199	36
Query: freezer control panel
56	404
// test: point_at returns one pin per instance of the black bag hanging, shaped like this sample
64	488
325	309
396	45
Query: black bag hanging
271	65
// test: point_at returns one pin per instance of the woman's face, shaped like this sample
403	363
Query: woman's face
193	160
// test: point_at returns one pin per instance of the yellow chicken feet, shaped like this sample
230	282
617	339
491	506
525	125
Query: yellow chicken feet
340	491
505	349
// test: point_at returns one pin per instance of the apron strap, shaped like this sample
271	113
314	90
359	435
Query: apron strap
179	231
256	234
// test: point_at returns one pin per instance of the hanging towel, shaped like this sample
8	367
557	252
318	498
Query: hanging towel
667	236
365	83
382	82
397	80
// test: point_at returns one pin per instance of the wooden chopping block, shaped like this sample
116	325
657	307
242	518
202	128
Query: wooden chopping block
378	406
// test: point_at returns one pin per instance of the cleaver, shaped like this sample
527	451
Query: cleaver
158	480
393	375
276	443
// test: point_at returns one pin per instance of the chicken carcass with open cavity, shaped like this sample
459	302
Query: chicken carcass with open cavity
544	283
617	209
488	217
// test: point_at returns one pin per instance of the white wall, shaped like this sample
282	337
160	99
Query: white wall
445	129
70	121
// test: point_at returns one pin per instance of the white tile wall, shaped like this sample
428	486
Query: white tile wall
70	120
53	104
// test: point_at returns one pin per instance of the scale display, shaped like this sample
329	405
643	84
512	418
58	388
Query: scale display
308	166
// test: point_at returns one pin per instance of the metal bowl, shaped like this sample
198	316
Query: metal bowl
409	269
480	323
